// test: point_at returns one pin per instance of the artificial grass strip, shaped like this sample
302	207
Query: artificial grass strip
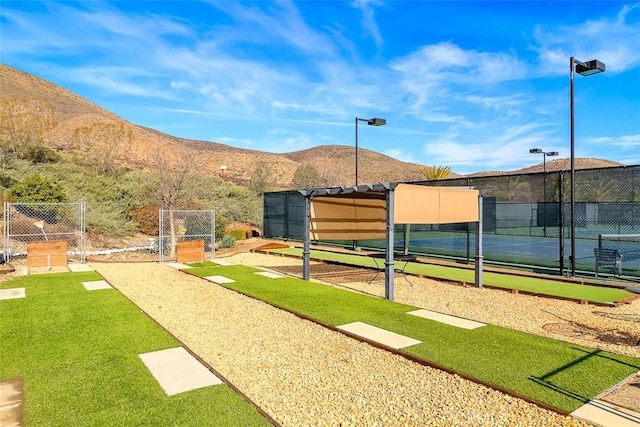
78	354
596	294
556	373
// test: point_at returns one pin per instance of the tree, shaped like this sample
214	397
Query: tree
171	182
434	173
261	178
508	187
307	176
23	124
103	142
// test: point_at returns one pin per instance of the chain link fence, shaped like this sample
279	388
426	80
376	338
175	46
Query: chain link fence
182	225
32	222
526	221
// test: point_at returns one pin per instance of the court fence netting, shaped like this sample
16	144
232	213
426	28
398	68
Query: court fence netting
526	222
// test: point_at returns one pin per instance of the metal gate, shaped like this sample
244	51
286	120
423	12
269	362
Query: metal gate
32	222
181	225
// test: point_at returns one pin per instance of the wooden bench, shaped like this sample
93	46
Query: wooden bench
608	258
48	253
190	251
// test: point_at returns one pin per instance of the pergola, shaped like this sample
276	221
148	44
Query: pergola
372	211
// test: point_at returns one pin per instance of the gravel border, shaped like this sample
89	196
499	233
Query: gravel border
303	374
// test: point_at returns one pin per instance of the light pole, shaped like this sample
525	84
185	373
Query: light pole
544	183
371	122
584	69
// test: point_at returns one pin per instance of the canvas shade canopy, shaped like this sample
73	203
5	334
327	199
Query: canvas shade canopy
371	212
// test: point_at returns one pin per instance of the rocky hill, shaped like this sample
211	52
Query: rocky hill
335	161
74	112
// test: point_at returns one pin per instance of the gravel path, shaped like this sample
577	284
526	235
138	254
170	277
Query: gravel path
303	374
614	329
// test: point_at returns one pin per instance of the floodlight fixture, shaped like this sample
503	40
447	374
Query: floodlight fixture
590	67
376	121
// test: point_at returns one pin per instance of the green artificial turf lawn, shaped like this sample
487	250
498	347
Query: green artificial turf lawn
78	354
549	371
549	287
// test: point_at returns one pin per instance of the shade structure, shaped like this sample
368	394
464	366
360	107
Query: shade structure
362	215
371	212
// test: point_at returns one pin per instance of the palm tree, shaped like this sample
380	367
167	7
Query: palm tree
434	173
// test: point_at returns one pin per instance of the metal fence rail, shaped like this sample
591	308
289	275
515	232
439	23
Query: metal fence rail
32	222
181	225
526	219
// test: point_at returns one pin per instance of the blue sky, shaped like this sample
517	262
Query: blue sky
473	85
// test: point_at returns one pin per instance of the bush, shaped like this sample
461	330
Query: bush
35	189
221	226
38	153
238	234
228	241
146	217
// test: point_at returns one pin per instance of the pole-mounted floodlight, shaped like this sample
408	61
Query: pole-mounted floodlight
584	69
544	182
376	121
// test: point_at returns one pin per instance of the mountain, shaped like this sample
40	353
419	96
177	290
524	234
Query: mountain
74	112
555	165
335	161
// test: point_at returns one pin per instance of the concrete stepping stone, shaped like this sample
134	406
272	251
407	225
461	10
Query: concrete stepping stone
605	414
224	262
12	293
76	268
379	335
177	371
12	402
176	265
447	319
220	280
96	284
270	275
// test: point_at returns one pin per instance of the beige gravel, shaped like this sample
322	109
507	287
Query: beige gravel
303	374
614	329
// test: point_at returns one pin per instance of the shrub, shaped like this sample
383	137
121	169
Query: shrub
37	189
38	153
146	217
227	241
238	234
221	225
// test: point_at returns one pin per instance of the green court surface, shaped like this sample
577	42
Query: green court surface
540	286
552	372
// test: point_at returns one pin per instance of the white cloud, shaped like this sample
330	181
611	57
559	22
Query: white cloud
613	41
401	155
624	141
369	20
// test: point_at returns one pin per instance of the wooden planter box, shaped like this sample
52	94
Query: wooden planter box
190	251
47	253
